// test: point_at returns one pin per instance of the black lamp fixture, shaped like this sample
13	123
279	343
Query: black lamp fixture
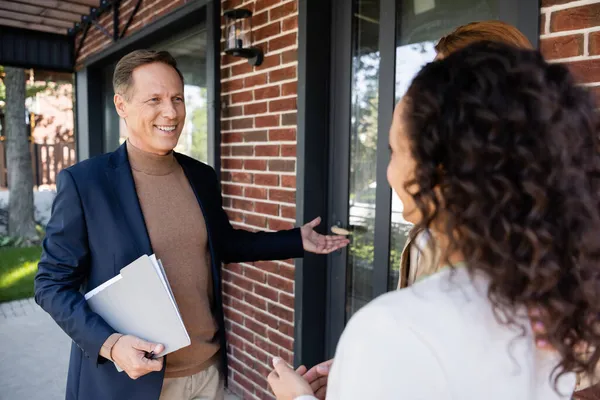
238	36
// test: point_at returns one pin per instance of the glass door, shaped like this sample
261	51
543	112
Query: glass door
378	47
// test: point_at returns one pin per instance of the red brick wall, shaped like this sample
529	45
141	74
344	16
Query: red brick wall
149	11
570	33
258	151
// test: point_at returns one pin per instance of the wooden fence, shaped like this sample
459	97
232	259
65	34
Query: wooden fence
47	160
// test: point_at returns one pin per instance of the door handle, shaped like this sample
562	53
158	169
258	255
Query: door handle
341	231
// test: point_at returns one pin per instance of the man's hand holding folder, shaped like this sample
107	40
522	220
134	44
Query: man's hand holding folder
131	354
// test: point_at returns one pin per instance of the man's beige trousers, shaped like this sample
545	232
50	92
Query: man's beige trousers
205	385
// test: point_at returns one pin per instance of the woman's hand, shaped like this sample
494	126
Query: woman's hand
286	383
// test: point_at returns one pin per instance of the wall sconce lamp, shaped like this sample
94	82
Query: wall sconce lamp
238	40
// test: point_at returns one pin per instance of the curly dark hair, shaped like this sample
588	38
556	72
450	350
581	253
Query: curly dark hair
507	153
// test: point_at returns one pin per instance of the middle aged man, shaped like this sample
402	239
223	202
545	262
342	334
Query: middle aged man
143	199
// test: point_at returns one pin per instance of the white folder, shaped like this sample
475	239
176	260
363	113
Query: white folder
139	302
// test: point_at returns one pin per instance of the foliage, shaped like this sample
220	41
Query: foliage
17	270
31	89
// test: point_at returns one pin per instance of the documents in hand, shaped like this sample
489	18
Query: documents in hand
139	302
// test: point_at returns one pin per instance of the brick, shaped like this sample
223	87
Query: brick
282	105
225	151
280	283
226	202
267	121
262	4
287	134
266	180
225	73
237	268
230	86
255	352
594	47
286	329
289	23
235	365
285	196
266	208
230	163
286	212
242	332
225	125
267	151
282	165
288	150
281	340
587	71
244	382
562	46
242	123
255	108
260	19
241	69
234	340
575	18
288	119
241	177
255	80
234	316
542	24
289	56
283	10
241	97
287	271
282	42
282	74
266	319
268	266
255	193
231	112
548	3
287	356
242	150
232	137
232	190
256	136
229	4
279	225
267	31
255	274
256	220
270	62
255	165
255	377
242	282
255	327
269	347
289	88
266	93
267	292
225	176
241	204
286	300
255	301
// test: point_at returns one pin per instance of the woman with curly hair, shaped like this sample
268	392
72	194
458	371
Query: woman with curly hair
496	153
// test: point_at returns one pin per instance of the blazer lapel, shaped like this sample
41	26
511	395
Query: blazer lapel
126	200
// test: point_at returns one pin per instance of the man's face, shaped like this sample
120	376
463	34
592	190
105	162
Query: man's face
153	108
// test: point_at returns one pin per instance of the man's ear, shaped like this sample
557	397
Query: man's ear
120	105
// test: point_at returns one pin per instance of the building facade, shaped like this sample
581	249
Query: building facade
303	135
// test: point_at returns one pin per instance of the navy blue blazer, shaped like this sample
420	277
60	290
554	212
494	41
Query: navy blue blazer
96	228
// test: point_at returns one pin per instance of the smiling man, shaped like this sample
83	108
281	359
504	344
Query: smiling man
145	198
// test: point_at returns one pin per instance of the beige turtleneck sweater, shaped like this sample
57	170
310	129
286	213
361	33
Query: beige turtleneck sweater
178	235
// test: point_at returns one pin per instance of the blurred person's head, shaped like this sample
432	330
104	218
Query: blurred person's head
492	30
496	152
149	97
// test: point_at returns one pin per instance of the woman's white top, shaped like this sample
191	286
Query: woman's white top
439	339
